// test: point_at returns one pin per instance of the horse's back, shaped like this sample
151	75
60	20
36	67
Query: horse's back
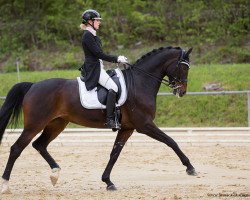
53	84
50	90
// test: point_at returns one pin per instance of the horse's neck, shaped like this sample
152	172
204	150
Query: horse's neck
141	83
145	84
149	83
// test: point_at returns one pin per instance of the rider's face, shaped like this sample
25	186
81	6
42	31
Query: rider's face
97	23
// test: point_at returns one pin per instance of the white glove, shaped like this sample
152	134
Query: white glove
122	59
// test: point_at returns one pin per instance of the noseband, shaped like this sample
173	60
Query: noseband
173	81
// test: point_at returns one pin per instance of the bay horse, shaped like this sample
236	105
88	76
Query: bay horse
49	105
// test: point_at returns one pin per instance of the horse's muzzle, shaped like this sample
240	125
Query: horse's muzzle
179	91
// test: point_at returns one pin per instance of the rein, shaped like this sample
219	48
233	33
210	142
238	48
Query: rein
172	82
164	81
169	83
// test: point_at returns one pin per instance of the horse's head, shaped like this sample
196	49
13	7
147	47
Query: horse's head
178	74
165	61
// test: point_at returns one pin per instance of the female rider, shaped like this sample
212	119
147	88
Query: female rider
92	68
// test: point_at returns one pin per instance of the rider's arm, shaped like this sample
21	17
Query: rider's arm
95	49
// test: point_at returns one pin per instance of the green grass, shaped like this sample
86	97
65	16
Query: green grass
209	110
9	79
195	111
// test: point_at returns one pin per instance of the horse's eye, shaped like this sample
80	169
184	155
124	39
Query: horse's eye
185	68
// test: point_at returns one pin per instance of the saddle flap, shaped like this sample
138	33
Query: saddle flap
97	98
102	92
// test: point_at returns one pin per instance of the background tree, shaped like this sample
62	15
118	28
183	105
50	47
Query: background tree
218	29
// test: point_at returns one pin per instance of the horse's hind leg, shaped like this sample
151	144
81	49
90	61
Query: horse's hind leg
15	151
120	141
51	131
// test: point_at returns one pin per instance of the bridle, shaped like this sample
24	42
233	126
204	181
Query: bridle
174	81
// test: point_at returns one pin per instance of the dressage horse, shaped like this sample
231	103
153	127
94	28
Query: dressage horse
49	105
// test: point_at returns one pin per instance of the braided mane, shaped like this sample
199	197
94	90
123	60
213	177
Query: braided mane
153	52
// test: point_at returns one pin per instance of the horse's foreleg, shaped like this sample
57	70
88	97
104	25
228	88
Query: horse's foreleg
154	132
51	131
15	151
120	141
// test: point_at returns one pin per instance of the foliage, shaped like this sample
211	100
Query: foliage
53	25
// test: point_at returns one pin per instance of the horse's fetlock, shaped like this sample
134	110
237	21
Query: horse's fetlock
105	179
186	163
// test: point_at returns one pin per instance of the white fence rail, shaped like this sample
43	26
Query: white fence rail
234	136
209	93
219	93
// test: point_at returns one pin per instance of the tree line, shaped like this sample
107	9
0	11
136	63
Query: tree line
52	24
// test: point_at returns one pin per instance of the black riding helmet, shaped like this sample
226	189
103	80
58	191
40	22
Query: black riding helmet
90	15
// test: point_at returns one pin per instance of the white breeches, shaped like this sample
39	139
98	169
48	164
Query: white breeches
106	81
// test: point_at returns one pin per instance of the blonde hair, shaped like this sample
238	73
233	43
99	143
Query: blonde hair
83	26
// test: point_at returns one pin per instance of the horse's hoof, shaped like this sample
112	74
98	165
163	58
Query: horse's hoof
5	187
54	176
191	172
111	188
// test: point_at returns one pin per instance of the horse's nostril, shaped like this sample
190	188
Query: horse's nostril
182	93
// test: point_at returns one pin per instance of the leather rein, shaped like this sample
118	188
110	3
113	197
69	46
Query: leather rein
173	80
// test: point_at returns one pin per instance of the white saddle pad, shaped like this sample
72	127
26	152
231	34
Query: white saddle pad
90	100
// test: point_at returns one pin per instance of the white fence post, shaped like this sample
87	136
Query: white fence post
248	107
17	69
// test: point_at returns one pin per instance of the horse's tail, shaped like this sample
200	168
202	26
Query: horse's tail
12	106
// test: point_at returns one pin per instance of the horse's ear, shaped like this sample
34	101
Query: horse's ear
189	51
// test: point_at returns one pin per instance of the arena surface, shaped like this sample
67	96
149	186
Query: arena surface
141	172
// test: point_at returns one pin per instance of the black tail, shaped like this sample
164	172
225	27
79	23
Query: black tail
12	106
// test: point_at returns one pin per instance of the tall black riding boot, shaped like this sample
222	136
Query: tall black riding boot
111	99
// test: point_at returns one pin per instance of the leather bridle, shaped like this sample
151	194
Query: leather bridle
174	81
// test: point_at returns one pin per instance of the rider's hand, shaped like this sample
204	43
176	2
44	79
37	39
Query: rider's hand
122	59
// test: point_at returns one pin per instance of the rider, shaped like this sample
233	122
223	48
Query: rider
92	68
